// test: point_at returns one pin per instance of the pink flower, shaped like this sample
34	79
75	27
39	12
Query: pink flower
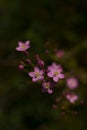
72	98
23	46
72	83
54	71
47	87
37	74
60	53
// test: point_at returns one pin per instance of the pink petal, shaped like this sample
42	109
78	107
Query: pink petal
68	96
60	70
20	43
31	74
41	77
36	69
34	79
55	65
55	79
50	74
18	49
72	100
75	97
49	67
41	72
50	91
61	76
27	42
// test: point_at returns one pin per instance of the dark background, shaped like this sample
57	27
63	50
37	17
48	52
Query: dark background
61	23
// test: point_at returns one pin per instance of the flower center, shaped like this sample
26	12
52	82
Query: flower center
23	46
56	73
37	74
47	85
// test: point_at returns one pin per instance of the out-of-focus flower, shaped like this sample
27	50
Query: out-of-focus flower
59	53
39	61
72	98
23	46
21	67
72	83
37	74
47	87
46	52
54	71
54	106
28	61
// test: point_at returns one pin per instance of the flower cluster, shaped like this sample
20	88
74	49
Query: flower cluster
23	46
48	76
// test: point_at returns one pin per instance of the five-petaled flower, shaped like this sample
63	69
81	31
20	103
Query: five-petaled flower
47	87
59	53
54	71
72	98
72	83
37	74
23	46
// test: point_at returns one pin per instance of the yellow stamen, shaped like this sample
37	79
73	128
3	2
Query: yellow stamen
23	46
47	85
37	74
56	73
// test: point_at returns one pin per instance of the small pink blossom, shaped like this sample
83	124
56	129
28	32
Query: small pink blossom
72	83
54	71
37	74
23	46
72	98
59	53
21	67
47	87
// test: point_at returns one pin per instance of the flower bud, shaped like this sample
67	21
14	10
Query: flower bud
21	67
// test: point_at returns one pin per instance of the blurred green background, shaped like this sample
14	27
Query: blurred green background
61	23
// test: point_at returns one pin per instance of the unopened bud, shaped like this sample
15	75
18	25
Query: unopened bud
21	67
